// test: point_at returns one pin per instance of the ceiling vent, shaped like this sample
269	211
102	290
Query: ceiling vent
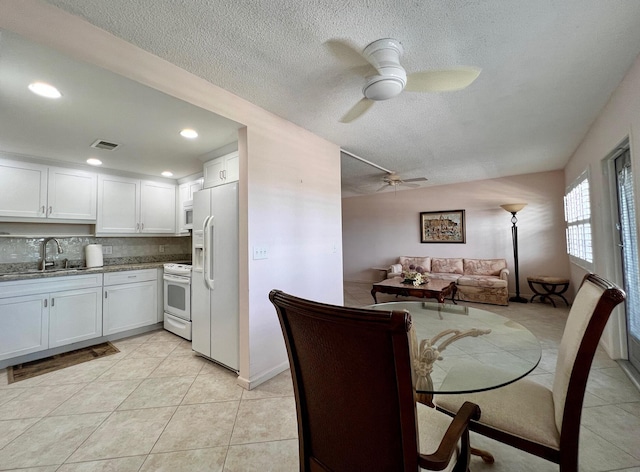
106	145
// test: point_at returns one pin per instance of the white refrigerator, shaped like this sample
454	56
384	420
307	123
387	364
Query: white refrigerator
214	303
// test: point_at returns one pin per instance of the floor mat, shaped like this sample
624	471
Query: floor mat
59	361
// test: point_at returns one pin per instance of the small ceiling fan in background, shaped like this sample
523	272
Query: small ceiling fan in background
394	180
391	179
386	78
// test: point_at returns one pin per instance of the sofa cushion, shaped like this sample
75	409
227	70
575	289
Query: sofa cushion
447	265
443	276
484	266
481	281
406	261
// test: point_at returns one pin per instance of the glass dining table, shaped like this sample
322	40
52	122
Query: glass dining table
462	349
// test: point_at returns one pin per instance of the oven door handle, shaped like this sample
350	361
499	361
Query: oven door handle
208	251
177	279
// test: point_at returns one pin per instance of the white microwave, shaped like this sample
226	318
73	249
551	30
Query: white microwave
187	214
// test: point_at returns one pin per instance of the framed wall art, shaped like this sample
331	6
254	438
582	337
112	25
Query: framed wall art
442	226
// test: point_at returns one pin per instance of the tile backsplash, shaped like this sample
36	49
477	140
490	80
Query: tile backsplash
22	253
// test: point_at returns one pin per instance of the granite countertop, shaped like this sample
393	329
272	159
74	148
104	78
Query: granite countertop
36	274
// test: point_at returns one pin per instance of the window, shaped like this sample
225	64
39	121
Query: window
577	214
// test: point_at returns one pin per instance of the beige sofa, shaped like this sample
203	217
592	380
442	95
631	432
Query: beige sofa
478	280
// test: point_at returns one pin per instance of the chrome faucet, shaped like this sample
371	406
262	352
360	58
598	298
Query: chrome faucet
44	263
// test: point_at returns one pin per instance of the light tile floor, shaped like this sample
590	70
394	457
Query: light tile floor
157	407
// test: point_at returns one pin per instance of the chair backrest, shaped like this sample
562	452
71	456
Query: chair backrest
589	313
352	382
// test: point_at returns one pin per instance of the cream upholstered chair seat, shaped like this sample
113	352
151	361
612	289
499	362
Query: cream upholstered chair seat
432	426
542	421
524	408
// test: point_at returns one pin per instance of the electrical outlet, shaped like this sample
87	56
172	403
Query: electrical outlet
260	252
107	249
161	248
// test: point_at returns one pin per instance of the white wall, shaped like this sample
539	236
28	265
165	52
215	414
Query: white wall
289	189
619	119
380	227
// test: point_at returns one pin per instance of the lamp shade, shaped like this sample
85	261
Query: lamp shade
513	207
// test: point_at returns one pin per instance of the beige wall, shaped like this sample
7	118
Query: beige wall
378	228
289	186
618	120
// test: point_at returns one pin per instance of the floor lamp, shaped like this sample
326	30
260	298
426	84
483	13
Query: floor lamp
514	208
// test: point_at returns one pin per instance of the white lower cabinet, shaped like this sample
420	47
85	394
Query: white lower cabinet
24	326
74	316
130	300
41	314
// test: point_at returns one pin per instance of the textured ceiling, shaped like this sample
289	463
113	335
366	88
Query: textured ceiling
548	68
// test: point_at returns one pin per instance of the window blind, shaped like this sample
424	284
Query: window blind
577	211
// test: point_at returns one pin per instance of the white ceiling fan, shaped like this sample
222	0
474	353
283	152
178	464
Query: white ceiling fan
394	180
391	179
388	78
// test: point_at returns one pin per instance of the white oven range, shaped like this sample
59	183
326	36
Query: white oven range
177	299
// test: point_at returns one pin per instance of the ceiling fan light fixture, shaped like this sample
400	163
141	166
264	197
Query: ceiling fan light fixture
383	88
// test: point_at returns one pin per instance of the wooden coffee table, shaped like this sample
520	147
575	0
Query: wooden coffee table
435	288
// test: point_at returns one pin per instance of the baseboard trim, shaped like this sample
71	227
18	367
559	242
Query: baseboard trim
631	372
252	383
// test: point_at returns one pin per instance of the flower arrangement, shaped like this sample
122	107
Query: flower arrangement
415	275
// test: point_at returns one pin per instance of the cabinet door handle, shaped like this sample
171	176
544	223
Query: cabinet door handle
142	226
43	209
45	303
220	174
105	294
137	226
224	174
50	210
53	302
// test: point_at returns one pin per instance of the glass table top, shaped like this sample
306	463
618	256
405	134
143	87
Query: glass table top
462	349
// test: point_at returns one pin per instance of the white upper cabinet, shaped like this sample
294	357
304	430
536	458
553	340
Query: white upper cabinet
222	170
24	190
131	206
157	207
193	187
118	205
38	191
72	194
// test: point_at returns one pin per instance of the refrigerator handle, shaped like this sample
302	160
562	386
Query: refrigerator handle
207	256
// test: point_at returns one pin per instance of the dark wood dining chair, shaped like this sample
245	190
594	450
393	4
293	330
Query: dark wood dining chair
542	421
354	396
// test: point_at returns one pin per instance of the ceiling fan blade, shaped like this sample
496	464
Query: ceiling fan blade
417	179
447	80
382	188
409	185
357	110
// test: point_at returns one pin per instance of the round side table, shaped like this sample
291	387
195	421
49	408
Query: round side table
545	287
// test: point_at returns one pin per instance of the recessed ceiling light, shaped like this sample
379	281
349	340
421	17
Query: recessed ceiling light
189	133
94	162
167	173
44	90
